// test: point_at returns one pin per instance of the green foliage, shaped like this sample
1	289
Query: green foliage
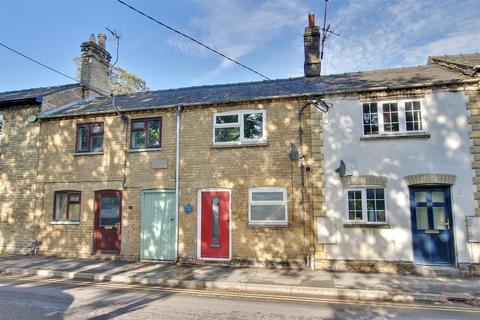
121	80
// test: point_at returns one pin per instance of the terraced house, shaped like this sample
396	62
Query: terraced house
260	172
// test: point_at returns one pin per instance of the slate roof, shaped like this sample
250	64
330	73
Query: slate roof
224	93
468	60
27	94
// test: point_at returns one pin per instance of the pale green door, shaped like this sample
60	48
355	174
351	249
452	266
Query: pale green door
158	225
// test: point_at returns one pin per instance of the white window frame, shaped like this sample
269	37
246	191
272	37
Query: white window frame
364	220
402	118
239	124
251	202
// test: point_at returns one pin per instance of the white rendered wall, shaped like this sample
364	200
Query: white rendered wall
447	152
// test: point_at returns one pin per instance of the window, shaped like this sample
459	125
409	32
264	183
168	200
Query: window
268	206
66	206
413	116
89	137
370	118
1	127
366	205
247	126
392	117
146	133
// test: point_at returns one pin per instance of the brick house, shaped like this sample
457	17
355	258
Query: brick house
19	140
247	171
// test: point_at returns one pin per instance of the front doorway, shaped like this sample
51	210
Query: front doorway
108	222
432	225
158	225
213	229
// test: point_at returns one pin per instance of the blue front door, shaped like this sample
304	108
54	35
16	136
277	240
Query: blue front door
432	225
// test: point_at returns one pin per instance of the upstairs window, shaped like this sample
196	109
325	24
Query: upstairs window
1	127
392	117
89	137
370	118
66	206
366	205
237	127
413	116
146	133
268	206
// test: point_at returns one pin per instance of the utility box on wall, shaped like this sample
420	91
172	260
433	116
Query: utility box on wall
326	230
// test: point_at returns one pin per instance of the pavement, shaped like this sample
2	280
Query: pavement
279	281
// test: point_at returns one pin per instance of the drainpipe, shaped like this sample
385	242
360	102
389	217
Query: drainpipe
177	176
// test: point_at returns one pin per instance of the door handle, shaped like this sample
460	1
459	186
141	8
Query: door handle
447	223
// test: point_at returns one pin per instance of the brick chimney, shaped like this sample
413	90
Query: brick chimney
311	39
95	62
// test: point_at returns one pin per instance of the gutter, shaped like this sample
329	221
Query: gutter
299	95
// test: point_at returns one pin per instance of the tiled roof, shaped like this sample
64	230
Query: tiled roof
468	60
203	95
32	93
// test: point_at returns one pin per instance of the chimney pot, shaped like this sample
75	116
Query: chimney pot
102	38
311	20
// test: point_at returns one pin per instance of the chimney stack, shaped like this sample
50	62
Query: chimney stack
95	63
311	39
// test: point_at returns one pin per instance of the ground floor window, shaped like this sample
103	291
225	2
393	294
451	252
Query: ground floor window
366	205
268	206
66	206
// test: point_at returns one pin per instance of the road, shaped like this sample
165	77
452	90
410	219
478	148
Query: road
25	298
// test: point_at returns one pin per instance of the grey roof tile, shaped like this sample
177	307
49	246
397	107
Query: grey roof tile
224	93
33	93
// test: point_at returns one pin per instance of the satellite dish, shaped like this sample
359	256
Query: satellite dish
32	118
342	169
294	154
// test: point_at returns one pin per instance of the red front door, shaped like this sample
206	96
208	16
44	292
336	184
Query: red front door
215	225
108	221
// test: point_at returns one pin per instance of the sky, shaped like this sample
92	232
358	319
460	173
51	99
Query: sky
265	35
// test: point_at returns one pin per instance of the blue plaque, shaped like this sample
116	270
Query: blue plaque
188	208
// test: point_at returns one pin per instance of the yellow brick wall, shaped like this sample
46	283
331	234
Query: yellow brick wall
18	163
473	106
237	168
62	169
241	168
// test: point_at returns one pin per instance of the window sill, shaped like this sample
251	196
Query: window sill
240	145
65	222
268	225
87	153
366	225
416	135
145	150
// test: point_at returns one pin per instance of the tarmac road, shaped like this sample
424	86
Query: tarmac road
35	298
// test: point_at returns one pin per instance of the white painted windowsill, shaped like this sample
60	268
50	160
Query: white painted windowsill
402	135
365	225
65	222
269	225
239	145
145	150
87	153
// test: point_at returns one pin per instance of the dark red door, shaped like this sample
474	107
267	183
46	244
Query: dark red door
215	225
108	221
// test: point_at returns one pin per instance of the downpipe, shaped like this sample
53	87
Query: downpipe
177	177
